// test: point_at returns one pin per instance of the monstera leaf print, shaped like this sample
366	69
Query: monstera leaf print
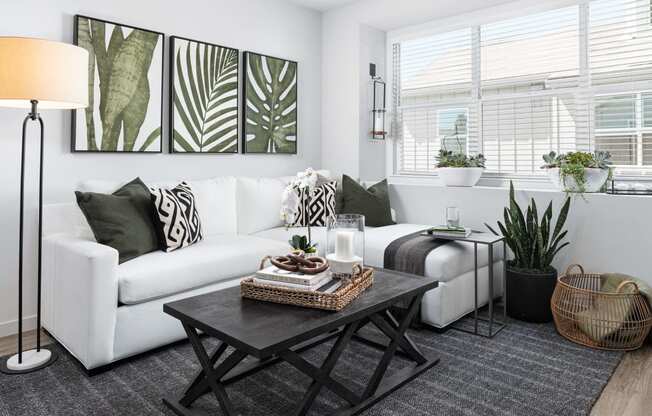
271	105
121	90
205	102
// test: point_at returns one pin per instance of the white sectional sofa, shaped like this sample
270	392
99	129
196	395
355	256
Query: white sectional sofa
102	311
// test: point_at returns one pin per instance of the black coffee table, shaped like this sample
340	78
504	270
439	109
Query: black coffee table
273	333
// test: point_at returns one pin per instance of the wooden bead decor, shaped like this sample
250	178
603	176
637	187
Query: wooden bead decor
299	263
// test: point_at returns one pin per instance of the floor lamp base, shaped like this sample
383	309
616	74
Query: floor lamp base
33	360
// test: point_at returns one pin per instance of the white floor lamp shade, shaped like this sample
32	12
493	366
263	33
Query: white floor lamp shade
53	73
38	74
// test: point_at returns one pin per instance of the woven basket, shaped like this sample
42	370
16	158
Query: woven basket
586	315
336	301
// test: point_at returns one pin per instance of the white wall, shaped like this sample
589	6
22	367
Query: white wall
372	152
340	93
347	49
606	232
272	27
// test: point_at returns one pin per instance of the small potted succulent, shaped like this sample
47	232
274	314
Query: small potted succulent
578	172
531	278
459	169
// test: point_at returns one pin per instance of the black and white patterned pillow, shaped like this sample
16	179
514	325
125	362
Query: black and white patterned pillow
179	221
317	209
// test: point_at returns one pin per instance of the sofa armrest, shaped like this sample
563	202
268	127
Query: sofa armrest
81	296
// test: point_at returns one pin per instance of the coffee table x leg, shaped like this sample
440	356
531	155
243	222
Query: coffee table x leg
213	378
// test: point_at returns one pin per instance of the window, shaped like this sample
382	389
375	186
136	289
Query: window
647	110
577	78
622	127
451	129
647	149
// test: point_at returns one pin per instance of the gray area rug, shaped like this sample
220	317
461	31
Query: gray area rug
525	370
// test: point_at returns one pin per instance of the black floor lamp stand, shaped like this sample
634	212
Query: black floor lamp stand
36	359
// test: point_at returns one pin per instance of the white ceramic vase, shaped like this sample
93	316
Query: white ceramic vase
594	180
460	176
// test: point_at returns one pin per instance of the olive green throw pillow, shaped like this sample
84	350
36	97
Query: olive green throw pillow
122	220
373	203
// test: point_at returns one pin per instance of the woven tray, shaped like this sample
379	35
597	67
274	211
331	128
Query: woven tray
335	301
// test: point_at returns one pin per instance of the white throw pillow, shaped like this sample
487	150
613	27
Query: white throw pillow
259	204
216	204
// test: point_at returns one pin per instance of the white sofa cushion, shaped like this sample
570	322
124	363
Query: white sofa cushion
215	197
109	186
444	263
216	204
259	204
215	259
66	218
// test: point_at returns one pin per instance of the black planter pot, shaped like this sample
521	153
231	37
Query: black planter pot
528	295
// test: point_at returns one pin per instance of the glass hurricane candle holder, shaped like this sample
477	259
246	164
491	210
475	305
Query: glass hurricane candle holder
345	244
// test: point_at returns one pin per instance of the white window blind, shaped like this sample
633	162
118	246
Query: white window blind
620	41
569	79
435	74
531	53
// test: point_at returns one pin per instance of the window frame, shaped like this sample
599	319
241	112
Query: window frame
474	21
640	130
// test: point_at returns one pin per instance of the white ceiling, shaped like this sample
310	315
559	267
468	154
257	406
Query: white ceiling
322	5
394	14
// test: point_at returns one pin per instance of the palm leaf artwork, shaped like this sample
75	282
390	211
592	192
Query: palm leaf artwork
205	102
120	88
270	105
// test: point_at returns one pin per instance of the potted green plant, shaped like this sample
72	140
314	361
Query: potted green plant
300	243
459	169
578	172
531	278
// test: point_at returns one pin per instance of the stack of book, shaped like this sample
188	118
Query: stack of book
449	232
321	282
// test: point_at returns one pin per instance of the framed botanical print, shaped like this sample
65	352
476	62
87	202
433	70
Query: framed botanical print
125	88
203	97
269	121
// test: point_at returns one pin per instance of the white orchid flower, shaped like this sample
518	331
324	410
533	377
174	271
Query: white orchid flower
289	204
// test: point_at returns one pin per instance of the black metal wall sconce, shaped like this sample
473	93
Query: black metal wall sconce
378	110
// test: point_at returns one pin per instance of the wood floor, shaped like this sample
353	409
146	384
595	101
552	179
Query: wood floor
629	392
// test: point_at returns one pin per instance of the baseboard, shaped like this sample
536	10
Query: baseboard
11	327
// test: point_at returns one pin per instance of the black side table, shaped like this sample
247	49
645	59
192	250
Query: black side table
488	239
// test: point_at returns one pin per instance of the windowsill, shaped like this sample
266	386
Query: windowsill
486	182
521	183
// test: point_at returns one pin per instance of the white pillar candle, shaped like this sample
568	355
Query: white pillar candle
344	245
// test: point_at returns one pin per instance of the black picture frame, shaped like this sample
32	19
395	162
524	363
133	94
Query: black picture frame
172	94
73	141
245	56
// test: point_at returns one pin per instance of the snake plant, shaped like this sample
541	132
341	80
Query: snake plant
534	243
124	87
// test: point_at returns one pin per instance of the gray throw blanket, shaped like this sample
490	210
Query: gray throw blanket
408	254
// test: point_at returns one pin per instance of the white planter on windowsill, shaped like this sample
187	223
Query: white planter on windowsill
460	176
595	178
